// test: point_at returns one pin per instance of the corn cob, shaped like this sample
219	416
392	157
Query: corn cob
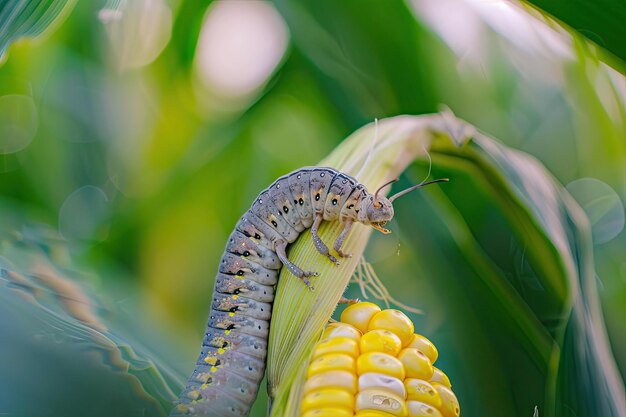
372	364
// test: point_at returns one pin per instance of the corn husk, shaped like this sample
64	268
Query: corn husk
374	154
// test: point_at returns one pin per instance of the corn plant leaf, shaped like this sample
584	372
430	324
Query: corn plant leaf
20	19
54	321
521	253
587	370
386	87
600	21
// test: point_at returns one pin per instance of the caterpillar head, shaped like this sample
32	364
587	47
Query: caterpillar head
378	210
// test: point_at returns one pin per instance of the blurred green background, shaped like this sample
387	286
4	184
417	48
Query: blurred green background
140	132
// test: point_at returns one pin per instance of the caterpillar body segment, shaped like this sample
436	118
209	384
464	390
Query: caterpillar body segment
242	305
285	203
265	210
231	363
339	191
301	192
239	266
251	345
240	323
319	183
242	245
258	232
236	362
231	284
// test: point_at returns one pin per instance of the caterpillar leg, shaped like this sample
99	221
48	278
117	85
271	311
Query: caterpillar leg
281	247
317	241
341	238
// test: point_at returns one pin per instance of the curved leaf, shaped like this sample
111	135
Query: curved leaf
54	326
601	21
554	236
20	19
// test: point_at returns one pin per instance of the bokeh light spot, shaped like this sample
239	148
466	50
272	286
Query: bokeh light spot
240	44
138	31
83	213
602	206
18	122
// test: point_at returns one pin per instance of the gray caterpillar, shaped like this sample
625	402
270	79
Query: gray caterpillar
231	364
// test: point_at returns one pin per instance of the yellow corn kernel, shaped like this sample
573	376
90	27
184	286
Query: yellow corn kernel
337	345
359	315
382	400
395	321
379	362
327	398
329	412
426	346
386	371
449	403
416	364
420	390
440	377
381	381
332	380
372	413
341	330
380	340
420	409
331	362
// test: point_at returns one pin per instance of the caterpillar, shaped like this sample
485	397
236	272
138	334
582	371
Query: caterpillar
231	363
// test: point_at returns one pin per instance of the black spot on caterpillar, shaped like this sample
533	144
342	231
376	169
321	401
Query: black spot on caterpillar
231	364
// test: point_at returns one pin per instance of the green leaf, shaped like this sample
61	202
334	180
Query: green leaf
54	320
21	19
601	21
340	41
549	306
